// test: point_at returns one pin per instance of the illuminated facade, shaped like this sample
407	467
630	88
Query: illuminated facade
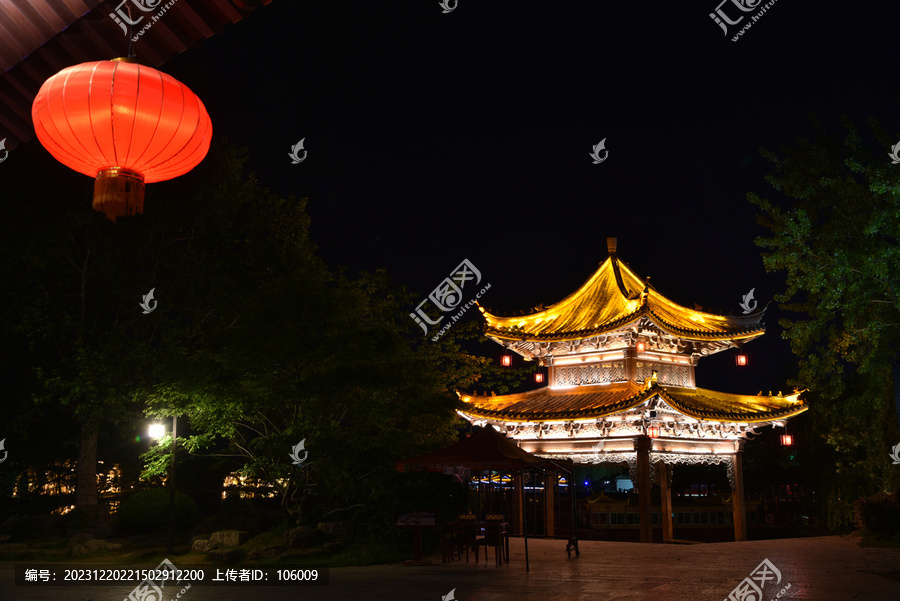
621	361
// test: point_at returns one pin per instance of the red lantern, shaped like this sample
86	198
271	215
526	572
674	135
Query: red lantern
653	431
538	377
641	346
506	360
740	360
124	124
787	440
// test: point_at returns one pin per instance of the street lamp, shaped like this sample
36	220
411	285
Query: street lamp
158	431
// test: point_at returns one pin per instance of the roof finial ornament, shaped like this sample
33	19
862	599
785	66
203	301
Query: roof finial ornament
611	245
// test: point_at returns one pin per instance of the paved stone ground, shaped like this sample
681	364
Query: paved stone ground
821	569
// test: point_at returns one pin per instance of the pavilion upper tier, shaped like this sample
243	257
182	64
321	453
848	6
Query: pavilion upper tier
616	310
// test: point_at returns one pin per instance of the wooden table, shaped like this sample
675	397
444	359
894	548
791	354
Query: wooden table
417	521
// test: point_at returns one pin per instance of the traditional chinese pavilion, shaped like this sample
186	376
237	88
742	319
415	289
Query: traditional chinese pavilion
621	389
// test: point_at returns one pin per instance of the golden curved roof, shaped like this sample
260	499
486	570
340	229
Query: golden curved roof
614	297
588	402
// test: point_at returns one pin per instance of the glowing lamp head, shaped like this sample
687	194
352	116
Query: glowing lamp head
641	346
538	377
740	360
125	125
653	431
787	440
506	360
156	431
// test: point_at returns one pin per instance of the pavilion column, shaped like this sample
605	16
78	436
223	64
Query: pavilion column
517	504
737	495
642	444
549	504
665	491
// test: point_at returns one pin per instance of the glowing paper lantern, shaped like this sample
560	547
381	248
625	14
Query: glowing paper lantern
506	360
787	440
538	377
123	123
653	431
740	360
641	346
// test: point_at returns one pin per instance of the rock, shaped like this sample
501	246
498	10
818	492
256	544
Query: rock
334	528
300	537
254	555
333	547
7	547
202	546
78	539
274	551
229	556
94	545
229	538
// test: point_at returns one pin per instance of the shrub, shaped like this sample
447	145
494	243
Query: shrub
76	519
878	515
148	511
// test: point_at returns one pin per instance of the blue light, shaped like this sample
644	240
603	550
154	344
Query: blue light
586	483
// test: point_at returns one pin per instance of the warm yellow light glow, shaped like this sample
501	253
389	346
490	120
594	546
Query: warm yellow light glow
610	300
156	431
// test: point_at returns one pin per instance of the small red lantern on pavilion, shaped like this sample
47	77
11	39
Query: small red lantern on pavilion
787	440
653	431
506	360
539	377
740	360
641	346
124	124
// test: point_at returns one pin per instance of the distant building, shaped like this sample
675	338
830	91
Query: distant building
621	389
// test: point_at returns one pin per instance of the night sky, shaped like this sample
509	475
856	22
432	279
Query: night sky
436	137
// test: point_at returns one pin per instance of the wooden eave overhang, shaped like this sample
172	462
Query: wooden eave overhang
590	402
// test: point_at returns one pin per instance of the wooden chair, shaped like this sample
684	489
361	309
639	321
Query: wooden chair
493	537
460	535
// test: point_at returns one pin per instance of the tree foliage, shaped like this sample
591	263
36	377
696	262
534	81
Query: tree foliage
836	235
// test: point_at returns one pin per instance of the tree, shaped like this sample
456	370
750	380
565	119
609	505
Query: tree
76	281
837	238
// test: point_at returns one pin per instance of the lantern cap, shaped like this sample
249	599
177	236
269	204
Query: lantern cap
123	59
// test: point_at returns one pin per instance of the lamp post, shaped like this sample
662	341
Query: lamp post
157	431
